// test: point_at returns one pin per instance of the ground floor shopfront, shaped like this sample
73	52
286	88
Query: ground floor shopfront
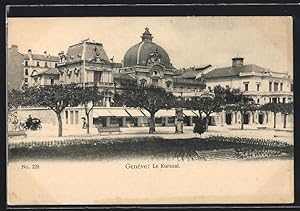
74	117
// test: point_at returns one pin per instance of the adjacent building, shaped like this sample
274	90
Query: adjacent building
37	64
15	68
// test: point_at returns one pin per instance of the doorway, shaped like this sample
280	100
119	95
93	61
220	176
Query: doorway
246	118
228	118
261	118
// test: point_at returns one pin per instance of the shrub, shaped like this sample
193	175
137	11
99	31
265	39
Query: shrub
200	126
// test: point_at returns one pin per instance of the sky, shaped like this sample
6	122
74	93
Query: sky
189	41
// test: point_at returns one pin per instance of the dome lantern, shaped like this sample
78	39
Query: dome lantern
147	36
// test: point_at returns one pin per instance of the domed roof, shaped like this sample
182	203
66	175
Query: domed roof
144	52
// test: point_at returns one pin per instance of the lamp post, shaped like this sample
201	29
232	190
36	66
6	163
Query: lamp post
179	115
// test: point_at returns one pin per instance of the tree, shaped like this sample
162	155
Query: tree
150	98
14	99
56	97
286	109
272	107
210	102
88	97
244	105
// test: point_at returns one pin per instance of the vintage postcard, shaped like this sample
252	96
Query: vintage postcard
150	110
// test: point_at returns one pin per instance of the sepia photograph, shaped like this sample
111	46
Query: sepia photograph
150	110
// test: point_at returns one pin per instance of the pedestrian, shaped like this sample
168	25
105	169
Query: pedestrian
84	123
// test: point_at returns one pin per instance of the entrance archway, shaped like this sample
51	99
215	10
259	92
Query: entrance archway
228	118
261	118
246	118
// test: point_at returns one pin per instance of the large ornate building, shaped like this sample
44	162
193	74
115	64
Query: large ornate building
148	63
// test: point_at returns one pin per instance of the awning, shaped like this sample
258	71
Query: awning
165	113
101	113
189	113
135	113
145	112
118	112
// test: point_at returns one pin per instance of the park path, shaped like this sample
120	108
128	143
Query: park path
49	133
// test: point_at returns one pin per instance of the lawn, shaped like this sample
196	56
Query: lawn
147	147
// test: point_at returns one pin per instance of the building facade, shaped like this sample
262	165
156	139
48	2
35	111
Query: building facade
15	68
36	65
261	84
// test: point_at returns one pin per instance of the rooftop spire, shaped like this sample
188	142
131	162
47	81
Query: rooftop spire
147	36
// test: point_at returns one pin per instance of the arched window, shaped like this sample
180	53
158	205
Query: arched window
168	84
143	82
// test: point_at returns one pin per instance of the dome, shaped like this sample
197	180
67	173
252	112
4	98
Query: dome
146	53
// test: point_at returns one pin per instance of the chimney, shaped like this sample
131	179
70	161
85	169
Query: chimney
237	62
45	54
14	46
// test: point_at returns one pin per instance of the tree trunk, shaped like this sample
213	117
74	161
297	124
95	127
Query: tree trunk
152	124
88	123
242	121
284	120
206	122
274	119
59	124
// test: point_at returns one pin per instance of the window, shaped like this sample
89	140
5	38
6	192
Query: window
168	84
52	81
275	87
55	64
26	63
97	76
143	82
38	63
283	100
246	87
257	101
46	64
71	117
67	117
257	87
270	86
35	80
26	80
26	71
227	86
154	81
76	118
281	86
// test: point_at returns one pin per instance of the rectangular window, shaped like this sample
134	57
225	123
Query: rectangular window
257	87
26	71
52	81
97	76
38	63
281	86
71	117
76	118
46	65
67	117
26	80
246	87
26	63
270	86
275	87
283	100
